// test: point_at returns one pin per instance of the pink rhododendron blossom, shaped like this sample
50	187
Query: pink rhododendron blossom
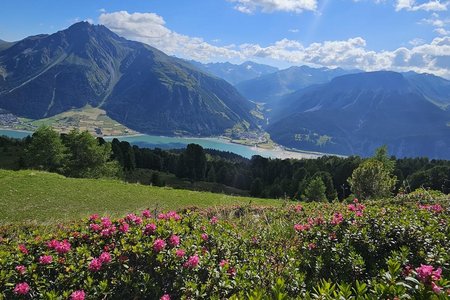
105	258
146	214
192	262
21	269
174	240
436	275
205	237
45	259
159	245
63	247
95	265
300	227
231	272
437	289
180	253
337	219
93	217
124	227
424	272
171	215
165	297
213	220
106	222
312	246
21	288
78	295
150	229
223	263
95	227
298	208
23	249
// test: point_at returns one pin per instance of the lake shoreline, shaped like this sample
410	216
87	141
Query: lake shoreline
214	142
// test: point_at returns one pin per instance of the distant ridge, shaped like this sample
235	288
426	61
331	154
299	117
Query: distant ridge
235	74
271	87
356	113
138	85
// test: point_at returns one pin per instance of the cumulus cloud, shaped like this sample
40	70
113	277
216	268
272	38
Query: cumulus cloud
441	25
411	5
268	6
433	57
151	29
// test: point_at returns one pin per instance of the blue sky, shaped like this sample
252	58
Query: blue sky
367	34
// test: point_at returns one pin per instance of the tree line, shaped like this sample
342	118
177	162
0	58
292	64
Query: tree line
79	154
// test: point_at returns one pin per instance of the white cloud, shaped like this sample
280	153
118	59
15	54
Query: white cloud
268	6
433	57
294	30
416	42
442	31
150	28
411	5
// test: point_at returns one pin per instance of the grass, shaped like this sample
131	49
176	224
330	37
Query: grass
46	198
87	118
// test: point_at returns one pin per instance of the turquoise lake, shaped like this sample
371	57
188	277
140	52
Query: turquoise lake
152	141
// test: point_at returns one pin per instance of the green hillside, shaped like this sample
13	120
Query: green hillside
48	198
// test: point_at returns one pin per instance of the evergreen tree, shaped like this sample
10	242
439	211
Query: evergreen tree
315	191
256	188
211	177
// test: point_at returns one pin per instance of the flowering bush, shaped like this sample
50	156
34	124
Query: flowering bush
375	250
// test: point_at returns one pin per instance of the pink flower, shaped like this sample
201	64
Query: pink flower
21	288
192	262
93	217
437	289
78	295
337	219
165	297
231	272
95	265
174	240
124	227
45	259
146	214
223	263
63	247
150	229
159	245
424	272
300	227
21	269
23	249
436	275
106	222
180	253
359	214
204	237
95	227
312	246
105	258
214	220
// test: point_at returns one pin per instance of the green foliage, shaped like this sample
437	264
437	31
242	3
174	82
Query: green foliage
315	191
380	250
86	157
372	180
45	151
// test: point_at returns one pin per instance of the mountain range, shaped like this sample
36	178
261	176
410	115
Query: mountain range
137	85
318	109
356	113
233	73
273	86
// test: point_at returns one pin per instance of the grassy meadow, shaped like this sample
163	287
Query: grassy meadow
32	196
